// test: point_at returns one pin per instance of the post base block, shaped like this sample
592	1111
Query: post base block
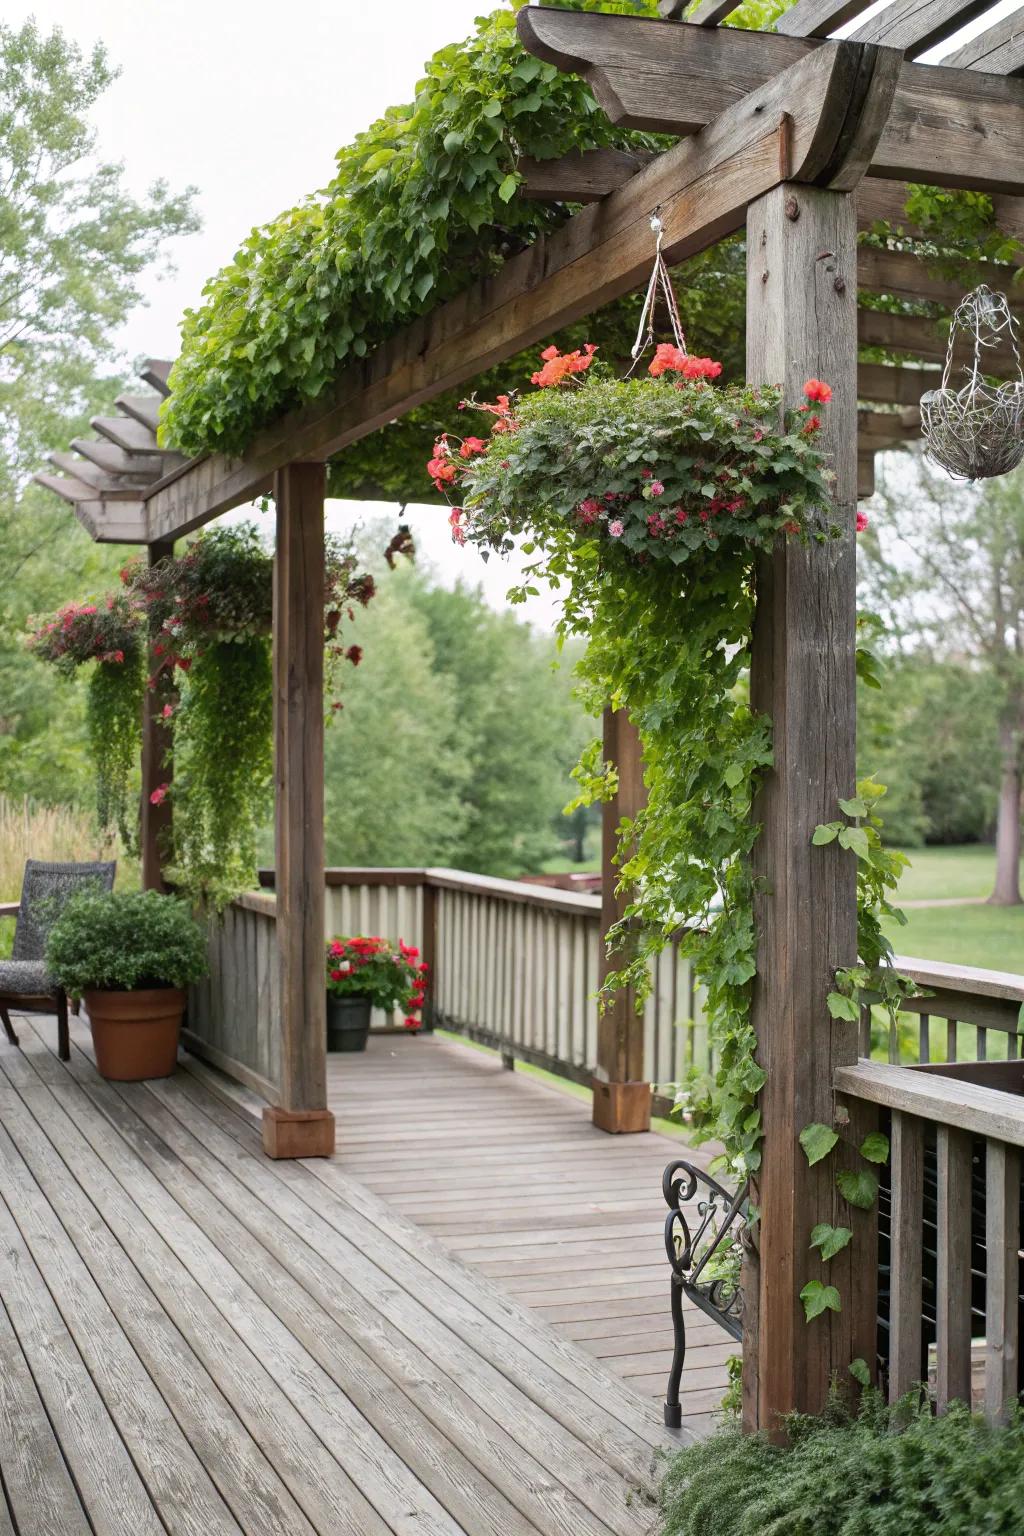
622	1107
298	1132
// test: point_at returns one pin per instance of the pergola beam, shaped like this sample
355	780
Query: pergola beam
797	125
950	127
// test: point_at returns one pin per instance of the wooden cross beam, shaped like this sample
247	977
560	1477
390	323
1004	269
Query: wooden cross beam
948	127
797	126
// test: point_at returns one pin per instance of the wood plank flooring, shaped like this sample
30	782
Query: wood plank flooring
509	1174
195	1341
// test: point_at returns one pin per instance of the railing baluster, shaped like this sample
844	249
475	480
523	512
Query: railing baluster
1002	1268
951	1039
865	1030
981	1046
924	1039
1011	1047
953	1299
906	1243
894	1041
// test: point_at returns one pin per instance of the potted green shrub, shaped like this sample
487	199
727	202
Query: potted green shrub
366	973
129	955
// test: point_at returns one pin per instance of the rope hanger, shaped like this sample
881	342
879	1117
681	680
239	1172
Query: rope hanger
660	280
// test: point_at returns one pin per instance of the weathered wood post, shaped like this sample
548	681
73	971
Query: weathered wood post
622	1097
801	324
300	1125
155	819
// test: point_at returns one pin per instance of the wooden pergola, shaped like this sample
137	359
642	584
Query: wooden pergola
804	140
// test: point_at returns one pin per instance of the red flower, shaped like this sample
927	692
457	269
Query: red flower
354	654
337	947
862	520
336	975
455	524
811	424
559	366
411	1023
472	445
791	527
167	711
817	389
159	794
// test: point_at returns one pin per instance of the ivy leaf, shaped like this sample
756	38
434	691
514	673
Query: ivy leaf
818	1298
875	1148
854	807
825	833
859	1189
733	775
507	190
831	1240
842	1007
817	1142
855	838
859	1371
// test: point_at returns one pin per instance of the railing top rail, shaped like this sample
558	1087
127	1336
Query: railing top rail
947	1101
962	978
442	879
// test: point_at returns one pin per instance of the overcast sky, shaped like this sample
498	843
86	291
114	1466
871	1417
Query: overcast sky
248	100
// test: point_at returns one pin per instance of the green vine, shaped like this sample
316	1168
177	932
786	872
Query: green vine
647	505
107	636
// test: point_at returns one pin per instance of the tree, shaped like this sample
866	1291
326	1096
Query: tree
455	737
73	247
948	567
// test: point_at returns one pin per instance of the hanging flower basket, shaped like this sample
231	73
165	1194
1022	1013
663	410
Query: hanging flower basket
667	469
977	432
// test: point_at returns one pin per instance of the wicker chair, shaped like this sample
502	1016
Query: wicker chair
24	984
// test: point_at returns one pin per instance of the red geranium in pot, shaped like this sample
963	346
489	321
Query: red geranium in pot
364	973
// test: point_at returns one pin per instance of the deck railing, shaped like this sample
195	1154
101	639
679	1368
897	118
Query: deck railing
962	1015
950	1299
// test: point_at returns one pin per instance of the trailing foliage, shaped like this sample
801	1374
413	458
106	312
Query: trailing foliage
122	940
211	608
887	1471
649	501
108	636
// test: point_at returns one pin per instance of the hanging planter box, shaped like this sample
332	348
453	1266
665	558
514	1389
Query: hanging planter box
977	432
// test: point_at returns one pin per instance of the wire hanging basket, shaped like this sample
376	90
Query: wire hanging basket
977	431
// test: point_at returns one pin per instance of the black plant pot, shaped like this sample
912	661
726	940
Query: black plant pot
348	1022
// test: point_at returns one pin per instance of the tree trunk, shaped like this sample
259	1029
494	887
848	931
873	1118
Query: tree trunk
1006	892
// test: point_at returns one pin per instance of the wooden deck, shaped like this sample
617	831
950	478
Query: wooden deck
509	1174
194	1340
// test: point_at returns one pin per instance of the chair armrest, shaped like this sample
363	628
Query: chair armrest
9	908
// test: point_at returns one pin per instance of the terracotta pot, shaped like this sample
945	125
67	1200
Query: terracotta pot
136	1033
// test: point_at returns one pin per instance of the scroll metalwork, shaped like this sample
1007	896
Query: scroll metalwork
704	1252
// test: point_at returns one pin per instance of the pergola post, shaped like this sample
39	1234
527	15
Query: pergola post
155	820
300	1125
802	323
622	1096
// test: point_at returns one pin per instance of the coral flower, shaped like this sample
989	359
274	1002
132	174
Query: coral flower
817	389
862	521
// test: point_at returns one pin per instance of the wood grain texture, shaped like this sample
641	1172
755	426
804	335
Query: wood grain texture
817	18
999	49
801	323
620	1028
1002	1276
906	1248
281	1353
914	26
953	1268
962	1105
156	820
299	783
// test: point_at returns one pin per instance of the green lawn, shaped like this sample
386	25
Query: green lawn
992	937
944	872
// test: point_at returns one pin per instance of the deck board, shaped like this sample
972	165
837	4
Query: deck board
196	1341
509	1174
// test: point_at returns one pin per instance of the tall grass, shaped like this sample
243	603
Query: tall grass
56	832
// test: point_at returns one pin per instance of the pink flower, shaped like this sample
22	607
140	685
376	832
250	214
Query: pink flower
159	794
656	488
455	524
616	529
862	521
167	711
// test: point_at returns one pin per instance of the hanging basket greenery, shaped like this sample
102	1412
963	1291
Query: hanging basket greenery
212	610
109	636
648	502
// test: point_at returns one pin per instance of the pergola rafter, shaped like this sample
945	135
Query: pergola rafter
801	139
